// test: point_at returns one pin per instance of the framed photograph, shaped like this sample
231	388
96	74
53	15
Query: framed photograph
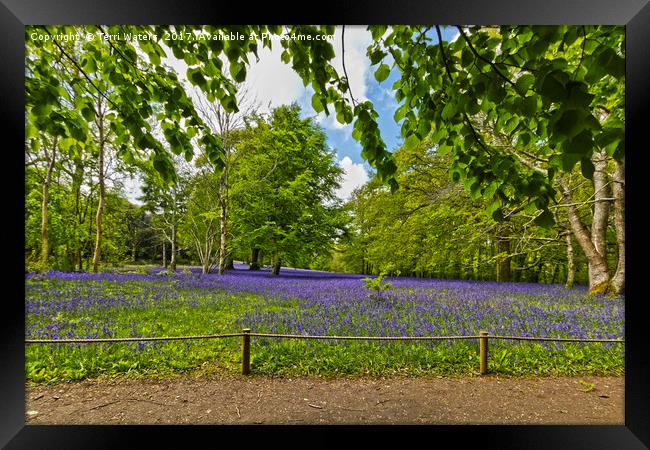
450	174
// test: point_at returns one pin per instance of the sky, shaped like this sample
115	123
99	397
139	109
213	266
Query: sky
274	83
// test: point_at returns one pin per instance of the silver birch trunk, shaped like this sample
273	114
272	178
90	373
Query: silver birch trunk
618	280
601	207
100	203
172	259
571	264
596	263
222	221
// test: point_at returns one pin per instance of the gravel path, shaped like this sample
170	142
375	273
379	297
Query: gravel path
314	400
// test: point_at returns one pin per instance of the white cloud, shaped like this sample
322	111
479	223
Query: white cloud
387	97
133	190
354	175
330	122
357	64
271	81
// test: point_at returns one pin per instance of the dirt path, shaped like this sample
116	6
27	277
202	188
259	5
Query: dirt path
313	400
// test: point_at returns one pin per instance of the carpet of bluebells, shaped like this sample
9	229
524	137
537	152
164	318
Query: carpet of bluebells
107	305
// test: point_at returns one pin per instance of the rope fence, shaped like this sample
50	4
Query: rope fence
246	335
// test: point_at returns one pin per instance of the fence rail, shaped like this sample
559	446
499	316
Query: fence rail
246	334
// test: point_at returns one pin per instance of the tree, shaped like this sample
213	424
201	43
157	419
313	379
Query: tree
50	160
223	123
136	79
432	227
202	217
283	200
137	224
168	203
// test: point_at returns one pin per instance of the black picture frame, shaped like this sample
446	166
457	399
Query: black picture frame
16	14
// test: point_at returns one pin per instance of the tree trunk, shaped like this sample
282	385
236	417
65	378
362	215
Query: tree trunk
503	259
100	204
276	264
172	258
601	207
80	260
88	242
255	264
204	255
77	179
571	264
222	222
554	274
45	238
618	281
164	255
596	263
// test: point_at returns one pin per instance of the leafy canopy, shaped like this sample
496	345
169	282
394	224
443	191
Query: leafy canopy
554	93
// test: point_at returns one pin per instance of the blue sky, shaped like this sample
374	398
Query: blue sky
274	83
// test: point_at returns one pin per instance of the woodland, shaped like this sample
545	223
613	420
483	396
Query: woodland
511	165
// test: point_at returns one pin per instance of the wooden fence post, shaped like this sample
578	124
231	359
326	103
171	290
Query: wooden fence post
483	350
246	352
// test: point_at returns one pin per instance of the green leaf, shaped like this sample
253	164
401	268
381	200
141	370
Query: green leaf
493	206
316	103
89	65
578	97
545	219
587	168
569	160
511	124
376	56
490	190
238	72
524	139
553	87
377	31
382	72
466	57
443	149
449	110
529	105
42	109
496	93
524	83
411	141
178	51
190	59
197	78
400	112
581	146
612	63
424	127
569	123
497	215
88	113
